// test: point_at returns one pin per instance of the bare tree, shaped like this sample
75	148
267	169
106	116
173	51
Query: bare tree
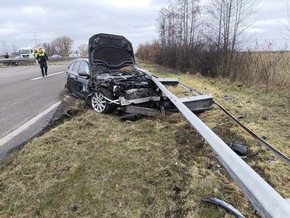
62	45
229	20
83	48
167	29
286	24
177	26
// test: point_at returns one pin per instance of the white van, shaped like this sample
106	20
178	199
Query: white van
26	52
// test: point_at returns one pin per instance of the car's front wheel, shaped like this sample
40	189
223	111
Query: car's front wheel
99	102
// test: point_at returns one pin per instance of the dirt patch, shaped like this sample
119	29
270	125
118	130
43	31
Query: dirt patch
69	108
188	143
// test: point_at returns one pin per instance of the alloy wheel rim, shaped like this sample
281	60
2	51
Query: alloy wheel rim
99	102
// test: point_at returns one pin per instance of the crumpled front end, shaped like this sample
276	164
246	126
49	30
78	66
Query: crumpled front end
128	89
138	96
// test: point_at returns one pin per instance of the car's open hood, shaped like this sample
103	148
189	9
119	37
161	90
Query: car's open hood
109	51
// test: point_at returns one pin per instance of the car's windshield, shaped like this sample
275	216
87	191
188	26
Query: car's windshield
25	51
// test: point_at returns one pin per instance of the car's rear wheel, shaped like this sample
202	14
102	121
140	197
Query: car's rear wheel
99	102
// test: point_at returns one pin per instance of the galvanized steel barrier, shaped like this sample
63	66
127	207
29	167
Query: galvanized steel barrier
264	198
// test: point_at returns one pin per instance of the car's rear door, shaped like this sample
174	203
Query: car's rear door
82	79
78	75
72	77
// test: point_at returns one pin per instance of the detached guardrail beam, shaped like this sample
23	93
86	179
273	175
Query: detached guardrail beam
263	197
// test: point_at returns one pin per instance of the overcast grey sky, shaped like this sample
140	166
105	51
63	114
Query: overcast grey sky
269	18
25	22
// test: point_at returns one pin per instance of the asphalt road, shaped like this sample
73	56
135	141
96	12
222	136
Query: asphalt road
24	94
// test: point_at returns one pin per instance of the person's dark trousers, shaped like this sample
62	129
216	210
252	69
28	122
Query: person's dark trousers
43	67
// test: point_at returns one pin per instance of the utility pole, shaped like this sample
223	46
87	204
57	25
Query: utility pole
35	38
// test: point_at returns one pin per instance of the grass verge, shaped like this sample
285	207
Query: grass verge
94	165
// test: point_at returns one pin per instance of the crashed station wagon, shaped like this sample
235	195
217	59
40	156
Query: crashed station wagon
110	79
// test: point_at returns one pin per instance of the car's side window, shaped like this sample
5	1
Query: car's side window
84	67
76	66
71	66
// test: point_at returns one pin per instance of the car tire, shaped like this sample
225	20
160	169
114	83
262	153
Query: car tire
99	102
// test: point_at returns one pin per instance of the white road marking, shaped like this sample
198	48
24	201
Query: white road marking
3	74
27	124
37	78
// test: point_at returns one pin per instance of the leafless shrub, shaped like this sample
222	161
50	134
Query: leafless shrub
265	68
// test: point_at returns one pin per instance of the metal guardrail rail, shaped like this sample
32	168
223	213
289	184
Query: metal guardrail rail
27	61
16	61
263	197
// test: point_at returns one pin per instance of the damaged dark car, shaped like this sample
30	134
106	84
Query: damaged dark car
109	78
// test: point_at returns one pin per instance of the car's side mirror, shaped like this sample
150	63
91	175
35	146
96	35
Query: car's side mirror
84	74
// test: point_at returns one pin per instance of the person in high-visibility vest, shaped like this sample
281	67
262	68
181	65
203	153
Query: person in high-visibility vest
35	55
42	59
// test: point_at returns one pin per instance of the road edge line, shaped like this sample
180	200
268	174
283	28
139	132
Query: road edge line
30	122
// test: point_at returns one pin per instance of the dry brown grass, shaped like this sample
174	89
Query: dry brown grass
269	71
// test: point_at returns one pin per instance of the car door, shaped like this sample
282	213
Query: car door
70	75
72	78
82	79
